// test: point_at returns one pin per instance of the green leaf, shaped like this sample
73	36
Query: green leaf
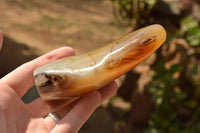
188	23
175	68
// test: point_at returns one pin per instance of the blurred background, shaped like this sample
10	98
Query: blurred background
161	95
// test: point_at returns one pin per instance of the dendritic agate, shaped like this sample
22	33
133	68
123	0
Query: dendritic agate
75	76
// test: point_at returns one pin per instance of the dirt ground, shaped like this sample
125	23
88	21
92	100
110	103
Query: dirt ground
36	27
32	28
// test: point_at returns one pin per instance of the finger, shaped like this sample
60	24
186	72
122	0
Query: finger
39	108
21	79
108	91
77	116
1	39
62	112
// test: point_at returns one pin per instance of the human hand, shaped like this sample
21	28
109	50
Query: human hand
16	116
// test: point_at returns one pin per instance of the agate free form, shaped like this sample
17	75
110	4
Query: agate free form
75	76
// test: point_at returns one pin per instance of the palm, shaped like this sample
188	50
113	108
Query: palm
17	114
19	117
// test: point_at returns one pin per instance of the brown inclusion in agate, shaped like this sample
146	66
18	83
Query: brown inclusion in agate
75	76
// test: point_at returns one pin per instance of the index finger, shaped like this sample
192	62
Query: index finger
21	79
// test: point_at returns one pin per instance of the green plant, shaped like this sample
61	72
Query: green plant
191	30
132	12
175	87
165	97
174	111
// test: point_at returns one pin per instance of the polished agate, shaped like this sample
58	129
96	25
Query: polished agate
72	77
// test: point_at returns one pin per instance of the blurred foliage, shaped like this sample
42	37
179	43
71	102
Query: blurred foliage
191	29
176	105
175	87
174	111
132	12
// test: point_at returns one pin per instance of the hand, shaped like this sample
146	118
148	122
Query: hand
16	116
